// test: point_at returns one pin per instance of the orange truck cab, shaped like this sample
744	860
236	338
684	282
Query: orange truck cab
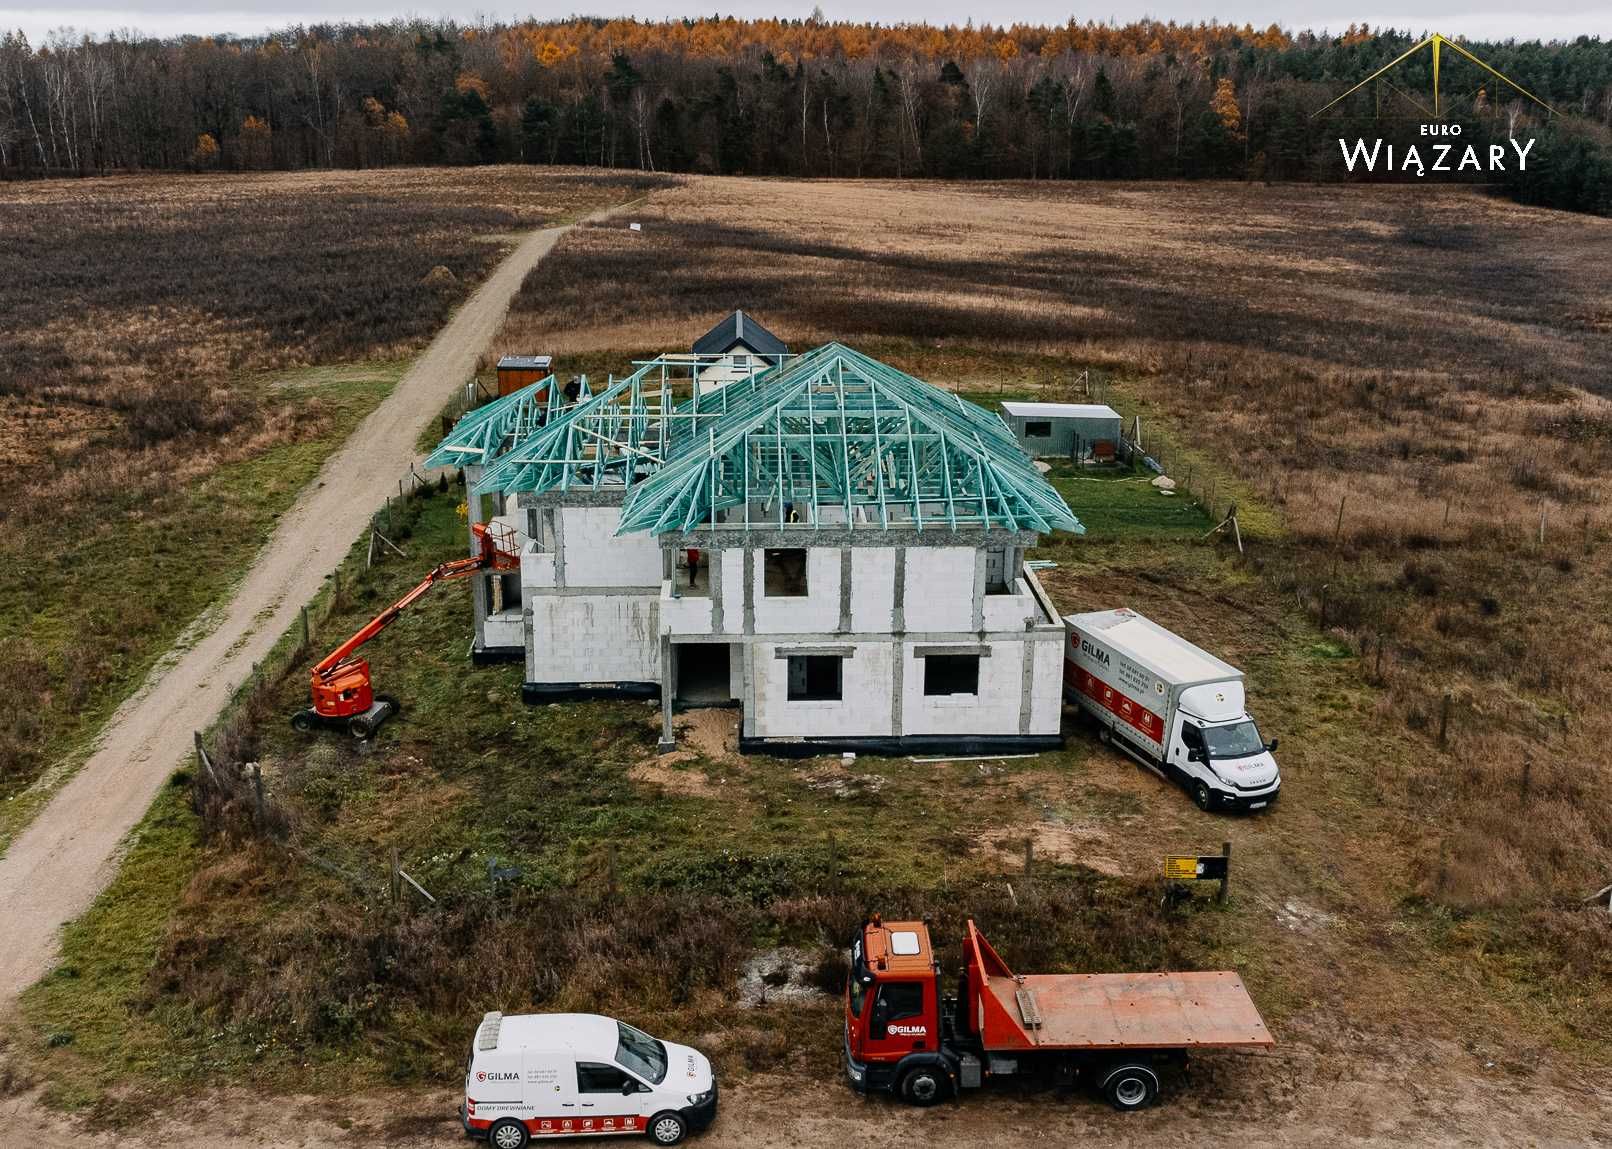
1115	1032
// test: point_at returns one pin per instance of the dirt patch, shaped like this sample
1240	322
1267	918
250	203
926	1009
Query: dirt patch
835	776
1078	844
711	732
675	774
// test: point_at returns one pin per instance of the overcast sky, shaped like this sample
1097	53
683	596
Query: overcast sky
1463	19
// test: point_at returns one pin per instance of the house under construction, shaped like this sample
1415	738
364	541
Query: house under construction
828	543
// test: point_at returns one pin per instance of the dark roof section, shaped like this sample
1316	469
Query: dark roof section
736	329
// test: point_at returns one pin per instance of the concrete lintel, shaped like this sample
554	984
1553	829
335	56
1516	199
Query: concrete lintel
576	497
965	641
815	652
943	651
591	591
864	536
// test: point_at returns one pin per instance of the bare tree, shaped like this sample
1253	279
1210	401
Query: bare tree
983	74
911	100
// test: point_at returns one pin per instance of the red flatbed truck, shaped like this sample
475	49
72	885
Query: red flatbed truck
1113	1031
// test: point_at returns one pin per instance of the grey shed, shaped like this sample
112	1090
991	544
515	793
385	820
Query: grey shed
1078	431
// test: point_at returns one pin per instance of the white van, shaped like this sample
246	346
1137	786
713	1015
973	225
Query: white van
1174	707
581	1075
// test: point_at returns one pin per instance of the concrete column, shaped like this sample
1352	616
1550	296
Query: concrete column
845	590
981	567
668	688
713	576
559	549
898	685
898	597
750	590
1027	687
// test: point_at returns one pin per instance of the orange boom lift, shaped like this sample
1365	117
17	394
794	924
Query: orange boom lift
340	685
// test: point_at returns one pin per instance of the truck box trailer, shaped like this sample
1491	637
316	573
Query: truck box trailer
1174	707
1113	1031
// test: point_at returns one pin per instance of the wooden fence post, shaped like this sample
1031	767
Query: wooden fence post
1029	860
397	882
1337	532
257	792
1444	721
307	633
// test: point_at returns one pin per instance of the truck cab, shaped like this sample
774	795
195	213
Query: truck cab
893	1038
1217	754
580	1074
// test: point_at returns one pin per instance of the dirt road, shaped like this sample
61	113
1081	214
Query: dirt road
1310	1091
56	866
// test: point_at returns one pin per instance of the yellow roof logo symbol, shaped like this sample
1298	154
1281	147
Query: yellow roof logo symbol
1436	44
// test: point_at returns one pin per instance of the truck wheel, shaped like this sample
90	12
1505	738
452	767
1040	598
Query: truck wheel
667	1128
924	1086
1202	796
1104	734
303	722
1129	1087
508	1134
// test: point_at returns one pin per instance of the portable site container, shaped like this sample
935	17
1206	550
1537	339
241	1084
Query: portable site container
1078	431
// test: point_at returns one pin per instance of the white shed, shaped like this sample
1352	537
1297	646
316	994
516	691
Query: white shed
1079	431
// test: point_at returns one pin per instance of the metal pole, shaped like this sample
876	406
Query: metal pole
1225	882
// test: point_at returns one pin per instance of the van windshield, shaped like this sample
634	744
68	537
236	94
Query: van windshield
1238	740
637	1051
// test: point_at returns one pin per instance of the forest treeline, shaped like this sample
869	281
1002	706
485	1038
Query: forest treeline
790	97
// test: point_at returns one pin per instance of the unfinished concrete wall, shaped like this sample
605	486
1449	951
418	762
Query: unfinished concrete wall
594	555
818	611
873	589
584	638
864	709
994	709
940	587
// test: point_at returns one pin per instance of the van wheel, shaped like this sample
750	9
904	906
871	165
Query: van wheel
507	1133
667	1128
1202	796
1130	1087
1104	734
923	1086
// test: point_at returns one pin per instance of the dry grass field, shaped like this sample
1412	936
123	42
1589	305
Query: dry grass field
162	394
1436	366
1410	917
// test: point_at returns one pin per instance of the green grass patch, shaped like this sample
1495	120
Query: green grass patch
85	1032
97	597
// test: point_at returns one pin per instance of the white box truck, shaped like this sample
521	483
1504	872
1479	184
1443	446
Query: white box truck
581	1075
1178	710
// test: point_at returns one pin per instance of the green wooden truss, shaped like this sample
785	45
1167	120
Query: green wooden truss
837	440
481	435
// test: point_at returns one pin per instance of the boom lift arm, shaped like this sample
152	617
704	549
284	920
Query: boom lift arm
339	683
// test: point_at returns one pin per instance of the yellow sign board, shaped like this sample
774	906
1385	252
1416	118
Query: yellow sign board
1181	867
